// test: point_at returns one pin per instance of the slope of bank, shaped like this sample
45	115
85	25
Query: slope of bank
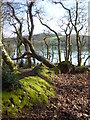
31	91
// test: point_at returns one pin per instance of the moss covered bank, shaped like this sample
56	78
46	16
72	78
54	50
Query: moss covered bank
32	90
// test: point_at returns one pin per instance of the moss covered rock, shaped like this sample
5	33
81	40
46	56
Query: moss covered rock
81	69
65	67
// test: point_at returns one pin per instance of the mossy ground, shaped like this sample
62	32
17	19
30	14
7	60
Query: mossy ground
46	72
33	90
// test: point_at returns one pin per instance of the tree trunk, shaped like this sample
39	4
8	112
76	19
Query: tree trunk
28	55
38	57
18	48
52	53
47	52
78	49
58	39
8	60
59	49
66	47
47	47
0	64
86	60
70	49
0	38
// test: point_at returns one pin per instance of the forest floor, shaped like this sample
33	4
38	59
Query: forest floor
71	101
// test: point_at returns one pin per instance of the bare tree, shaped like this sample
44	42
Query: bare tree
58	38
78	23
28	41
66	27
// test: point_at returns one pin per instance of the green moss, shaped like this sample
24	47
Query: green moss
45	71
65	66
16	71
56	70
81	69
34	90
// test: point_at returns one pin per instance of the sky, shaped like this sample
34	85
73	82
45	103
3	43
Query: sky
51	11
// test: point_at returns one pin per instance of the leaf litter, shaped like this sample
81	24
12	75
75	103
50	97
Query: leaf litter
71	101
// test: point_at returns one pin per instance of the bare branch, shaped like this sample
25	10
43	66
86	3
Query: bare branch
22	56
17	19
58	38
31	18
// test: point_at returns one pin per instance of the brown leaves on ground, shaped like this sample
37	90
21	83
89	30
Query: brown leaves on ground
71	101
73	95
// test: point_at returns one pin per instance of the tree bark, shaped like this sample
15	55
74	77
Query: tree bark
47	46
86	60
78	49
35	55
38	57
66	47
28	55
8	60
0	38
70	49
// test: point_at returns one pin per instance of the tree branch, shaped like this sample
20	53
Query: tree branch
30	5
86	60
22	56
18	20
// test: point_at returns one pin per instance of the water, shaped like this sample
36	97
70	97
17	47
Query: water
39	50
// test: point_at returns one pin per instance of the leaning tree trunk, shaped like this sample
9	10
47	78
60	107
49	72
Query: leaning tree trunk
39	57
8	60
86	60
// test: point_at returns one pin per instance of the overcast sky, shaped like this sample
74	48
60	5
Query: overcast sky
51	11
